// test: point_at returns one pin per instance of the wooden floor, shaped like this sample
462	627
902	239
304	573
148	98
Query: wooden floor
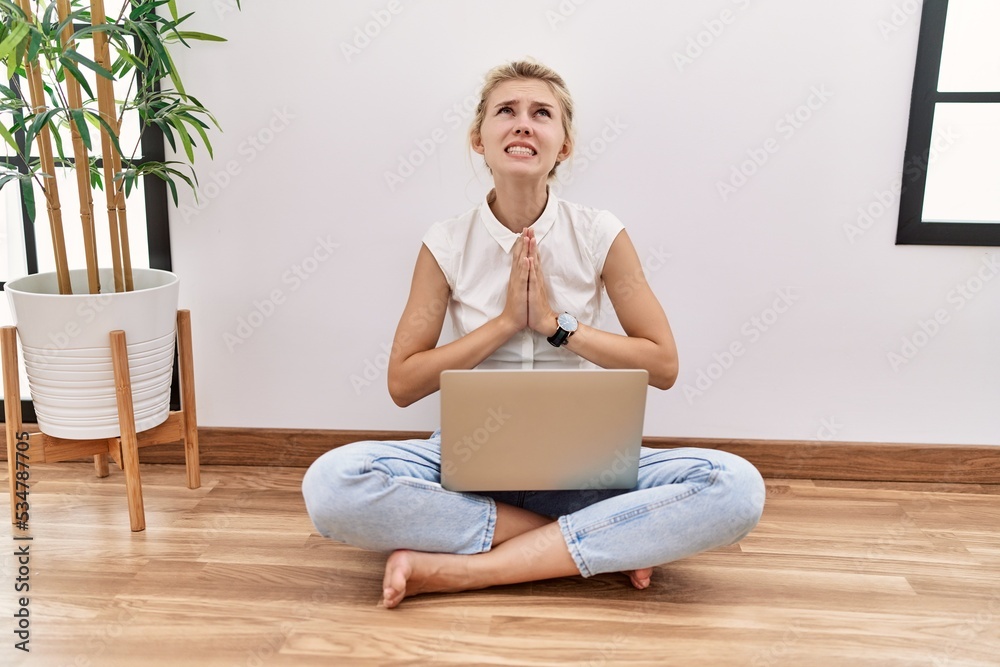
233	574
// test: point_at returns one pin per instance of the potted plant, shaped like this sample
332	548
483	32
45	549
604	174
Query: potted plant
63	59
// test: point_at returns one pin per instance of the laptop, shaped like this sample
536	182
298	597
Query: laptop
542	429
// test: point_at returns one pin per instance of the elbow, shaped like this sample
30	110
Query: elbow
666	374
399	393
400	400
402	389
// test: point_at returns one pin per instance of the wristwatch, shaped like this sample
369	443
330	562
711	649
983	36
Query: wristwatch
567	327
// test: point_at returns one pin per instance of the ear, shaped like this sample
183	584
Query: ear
476	141
566	151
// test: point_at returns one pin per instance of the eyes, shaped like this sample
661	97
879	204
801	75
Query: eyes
508	110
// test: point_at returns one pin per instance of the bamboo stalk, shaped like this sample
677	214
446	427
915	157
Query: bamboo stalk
123	226
106	107
82	164
120	197
51	189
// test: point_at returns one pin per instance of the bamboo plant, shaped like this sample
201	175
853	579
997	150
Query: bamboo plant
50	89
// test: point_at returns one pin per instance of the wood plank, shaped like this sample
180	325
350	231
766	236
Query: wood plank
50	448
169	432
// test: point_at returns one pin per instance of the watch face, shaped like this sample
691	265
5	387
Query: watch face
567	322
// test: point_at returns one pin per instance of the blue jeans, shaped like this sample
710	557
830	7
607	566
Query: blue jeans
384	496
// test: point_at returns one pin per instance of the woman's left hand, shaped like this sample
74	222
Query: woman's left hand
541	317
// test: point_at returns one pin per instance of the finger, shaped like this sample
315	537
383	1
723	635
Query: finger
517	257
525	270
536	259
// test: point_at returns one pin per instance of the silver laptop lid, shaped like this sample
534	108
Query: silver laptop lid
533	430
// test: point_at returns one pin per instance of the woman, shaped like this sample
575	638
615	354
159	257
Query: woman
507	269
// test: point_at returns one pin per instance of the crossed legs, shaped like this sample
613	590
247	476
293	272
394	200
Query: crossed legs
386	496
526	547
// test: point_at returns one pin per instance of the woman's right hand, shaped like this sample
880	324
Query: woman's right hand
515	311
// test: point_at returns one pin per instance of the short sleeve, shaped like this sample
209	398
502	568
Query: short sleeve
441	245
605	230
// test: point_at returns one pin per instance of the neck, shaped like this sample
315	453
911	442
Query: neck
518	205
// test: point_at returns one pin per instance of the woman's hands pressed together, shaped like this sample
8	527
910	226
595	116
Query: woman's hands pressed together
541	317
528	302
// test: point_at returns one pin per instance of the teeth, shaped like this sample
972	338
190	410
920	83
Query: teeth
520	150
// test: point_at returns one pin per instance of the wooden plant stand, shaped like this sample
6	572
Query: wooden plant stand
181	425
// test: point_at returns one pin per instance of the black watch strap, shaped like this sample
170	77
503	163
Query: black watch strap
559	338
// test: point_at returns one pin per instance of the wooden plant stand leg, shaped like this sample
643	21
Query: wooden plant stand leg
101	465
12	409
185	361
126	422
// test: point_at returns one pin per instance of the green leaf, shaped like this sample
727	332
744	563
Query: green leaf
14	10
47	17
114	31
204	136
104	124
173	190
38	121
10	45
174	77
146	10
9	138
172	5
152	41
200	36
185	139
89	64
165	128
95	176
133	61
28	197
77	74
57	139
9	176
17	33
34	44
69	21
81	125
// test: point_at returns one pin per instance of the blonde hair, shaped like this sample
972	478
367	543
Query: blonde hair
524	69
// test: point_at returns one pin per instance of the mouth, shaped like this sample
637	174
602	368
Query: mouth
526	151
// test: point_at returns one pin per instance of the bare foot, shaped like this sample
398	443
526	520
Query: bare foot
640	578
409	573
398	570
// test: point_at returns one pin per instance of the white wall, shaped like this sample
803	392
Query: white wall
310	134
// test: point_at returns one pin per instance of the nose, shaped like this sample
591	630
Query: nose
522	128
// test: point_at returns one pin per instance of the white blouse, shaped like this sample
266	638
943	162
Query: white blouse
474	253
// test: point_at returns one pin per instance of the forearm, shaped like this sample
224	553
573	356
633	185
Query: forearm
419	375
610	350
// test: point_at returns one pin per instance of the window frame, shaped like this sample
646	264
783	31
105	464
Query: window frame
911	230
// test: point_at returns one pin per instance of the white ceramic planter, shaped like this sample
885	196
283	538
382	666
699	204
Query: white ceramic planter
67	349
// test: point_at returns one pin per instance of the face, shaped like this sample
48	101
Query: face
522	133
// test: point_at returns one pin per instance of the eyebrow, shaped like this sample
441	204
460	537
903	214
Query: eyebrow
509	103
